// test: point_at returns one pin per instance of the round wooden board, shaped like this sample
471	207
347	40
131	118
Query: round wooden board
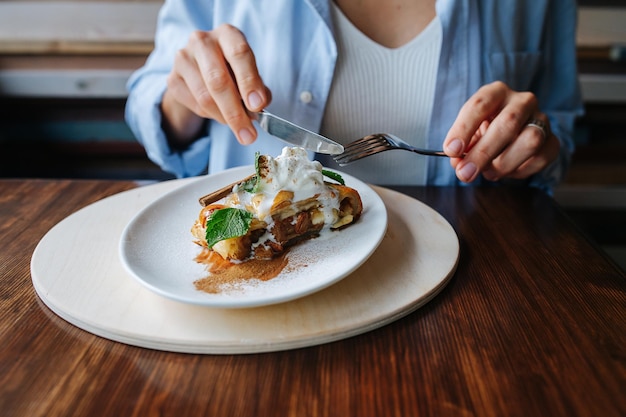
77	273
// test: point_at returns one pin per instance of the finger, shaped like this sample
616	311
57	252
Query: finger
503	130
530	166
479	108
185	83
523	149
220	86
482	129
528	143
527	155
239	55
182	92
549	153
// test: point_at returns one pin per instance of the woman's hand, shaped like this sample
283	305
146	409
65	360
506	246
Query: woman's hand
213	77
493	130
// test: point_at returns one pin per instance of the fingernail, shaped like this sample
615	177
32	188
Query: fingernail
455	147
255	100
246	137
466	172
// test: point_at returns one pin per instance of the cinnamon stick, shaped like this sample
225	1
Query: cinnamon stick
221	193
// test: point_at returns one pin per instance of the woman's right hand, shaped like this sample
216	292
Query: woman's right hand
213	77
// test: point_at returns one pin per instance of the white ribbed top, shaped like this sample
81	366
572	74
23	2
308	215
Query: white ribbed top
377	89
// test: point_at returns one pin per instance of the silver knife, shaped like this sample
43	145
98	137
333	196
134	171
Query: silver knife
296	135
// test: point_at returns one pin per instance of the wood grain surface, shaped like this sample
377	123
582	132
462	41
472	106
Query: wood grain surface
532	324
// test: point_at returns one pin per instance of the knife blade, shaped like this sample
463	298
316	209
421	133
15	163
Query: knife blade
296	135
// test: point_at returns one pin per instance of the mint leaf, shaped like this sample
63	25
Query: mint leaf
252	185
334	176
227	223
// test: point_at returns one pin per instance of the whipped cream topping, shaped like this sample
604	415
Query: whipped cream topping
294	172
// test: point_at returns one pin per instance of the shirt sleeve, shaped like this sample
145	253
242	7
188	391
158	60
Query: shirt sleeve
176	21
558	88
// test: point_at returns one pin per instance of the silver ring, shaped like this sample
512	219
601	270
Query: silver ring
539	124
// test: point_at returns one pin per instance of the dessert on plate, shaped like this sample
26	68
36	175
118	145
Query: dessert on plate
288	199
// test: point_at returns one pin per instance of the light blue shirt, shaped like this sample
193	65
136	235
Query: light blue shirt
528	45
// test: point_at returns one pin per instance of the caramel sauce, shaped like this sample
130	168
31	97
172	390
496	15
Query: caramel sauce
225	274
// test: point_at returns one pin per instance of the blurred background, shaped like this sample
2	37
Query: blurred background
64	65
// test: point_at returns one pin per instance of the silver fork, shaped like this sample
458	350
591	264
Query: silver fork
376	143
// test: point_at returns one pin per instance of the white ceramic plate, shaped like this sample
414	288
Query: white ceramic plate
157	249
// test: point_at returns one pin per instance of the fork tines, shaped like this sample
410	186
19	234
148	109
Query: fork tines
366	146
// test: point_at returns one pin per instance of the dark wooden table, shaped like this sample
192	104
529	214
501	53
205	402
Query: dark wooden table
532	324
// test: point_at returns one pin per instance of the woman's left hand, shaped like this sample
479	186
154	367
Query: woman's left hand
502	134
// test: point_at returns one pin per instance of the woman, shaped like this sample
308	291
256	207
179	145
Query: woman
494	79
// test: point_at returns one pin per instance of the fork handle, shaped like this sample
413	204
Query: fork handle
429	152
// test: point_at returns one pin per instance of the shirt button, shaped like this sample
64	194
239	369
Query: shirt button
306	97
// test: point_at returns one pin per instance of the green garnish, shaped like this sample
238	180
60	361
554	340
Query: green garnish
334	176
252	185
227	223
